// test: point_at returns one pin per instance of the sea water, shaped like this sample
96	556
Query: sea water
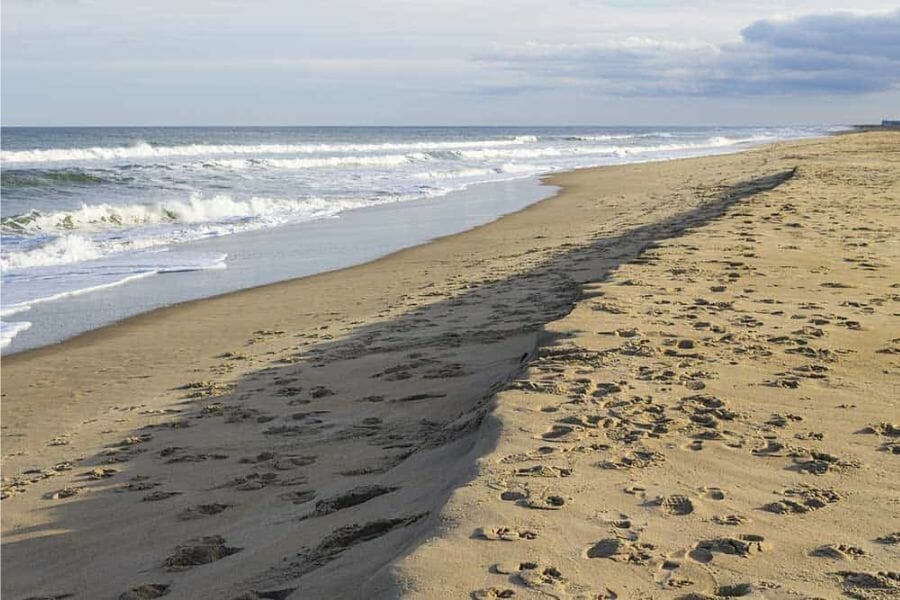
102	223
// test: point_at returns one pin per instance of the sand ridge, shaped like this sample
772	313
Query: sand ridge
695	397
709	421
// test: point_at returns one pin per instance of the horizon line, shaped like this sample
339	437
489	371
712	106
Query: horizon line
498	126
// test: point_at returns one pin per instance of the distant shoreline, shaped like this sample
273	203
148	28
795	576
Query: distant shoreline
887	125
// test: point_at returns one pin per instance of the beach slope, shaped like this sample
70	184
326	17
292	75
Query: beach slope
669	379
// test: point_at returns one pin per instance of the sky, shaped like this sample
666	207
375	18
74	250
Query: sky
449	62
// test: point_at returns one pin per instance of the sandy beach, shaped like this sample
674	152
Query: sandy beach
670	380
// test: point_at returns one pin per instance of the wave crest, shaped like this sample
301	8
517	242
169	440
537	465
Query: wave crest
145	150
99	230
9	330
50	177
198	209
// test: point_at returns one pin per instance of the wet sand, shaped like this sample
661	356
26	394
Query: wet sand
670	379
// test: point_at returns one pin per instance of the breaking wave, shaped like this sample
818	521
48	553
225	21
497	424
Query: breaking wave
96	231
145	150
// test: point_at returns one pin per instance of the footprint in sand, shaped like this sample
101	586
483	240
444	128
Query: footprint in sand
524	456
713	493
543	471
504	534
734	590
542	578
298	496
838	552
100	473
889	433
589	421
348	499
802	499
255	481
562	434
674	572
266	595
676	505
202	510
731	520
281	594
635	459
544	501
333	545
200	551
157	496
819	463
870	585
742	545
621	550
147	591
513	495
492	593
320	391
891	539
139	484
66	492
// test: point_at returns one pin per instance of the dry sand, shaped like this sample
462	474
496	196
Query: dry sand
671	380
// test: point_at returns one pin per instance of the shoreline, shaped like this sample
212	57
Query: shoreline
62	319
488	190
163	310
439	328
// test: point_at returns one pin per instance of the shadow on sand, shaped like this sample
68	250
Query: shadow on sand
274	487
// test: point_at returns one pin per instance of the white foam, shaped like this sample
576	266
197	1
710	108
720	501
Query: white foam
378	160
196	209
143	150
606	137
23	289
66	249
608	150
9	330
486	173
456	173
95	231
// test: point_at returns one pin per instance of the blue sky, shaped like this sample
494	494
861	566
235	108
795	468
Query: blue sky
342	62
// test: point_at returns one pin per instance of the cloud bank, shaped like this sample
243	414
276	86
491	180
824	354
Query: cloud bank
837	53
466	62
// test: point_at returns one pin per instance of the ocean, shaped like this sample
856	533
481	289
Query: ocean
102	223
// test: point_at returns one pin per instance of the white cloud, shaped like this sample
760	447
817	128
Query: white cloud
411	61
835	53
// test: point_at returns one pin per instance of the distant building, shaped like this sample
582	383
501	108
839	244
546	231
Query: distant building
890	124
